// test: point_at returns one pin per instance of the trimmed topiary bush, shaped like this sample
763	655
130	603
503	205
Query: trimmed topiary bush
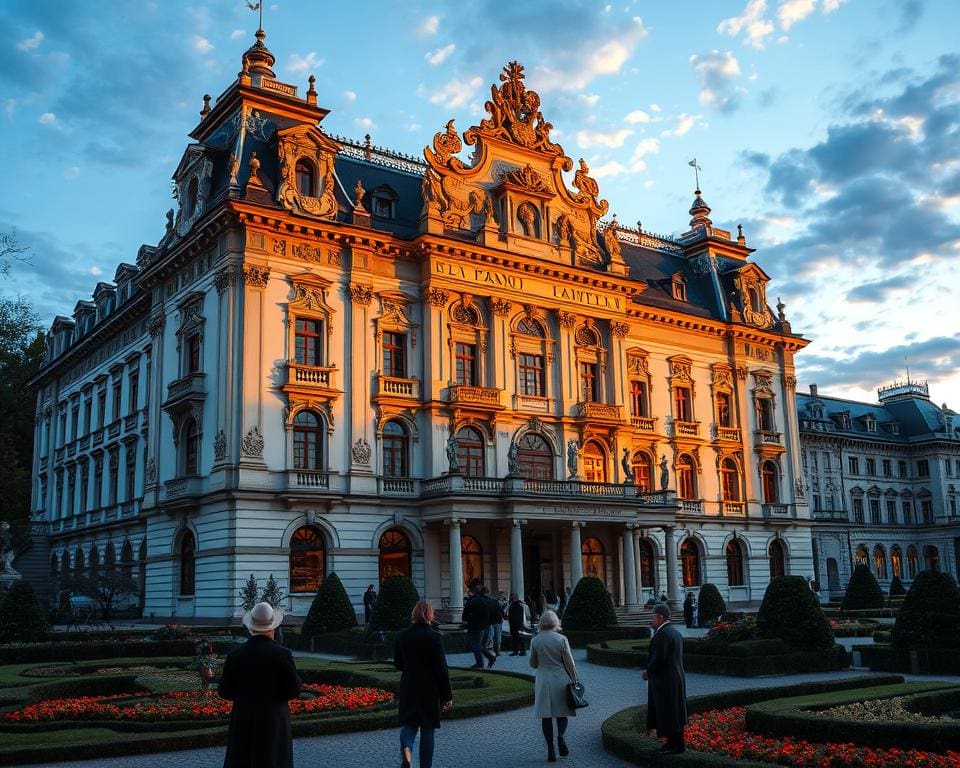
392	610
863	591
710	605
896	587
791	612
590	606
331	609
22	620
930	616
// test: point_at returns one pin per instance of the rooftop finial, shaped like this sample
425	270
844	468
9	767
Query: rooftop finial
257	7
206	106
696	172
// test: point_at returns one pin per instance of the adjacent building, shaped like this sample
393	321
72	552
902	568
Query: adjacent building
341	358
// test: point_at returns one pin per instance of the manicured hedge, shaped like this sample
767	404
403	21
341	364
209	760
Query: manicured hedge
930	616
792	613
710	605
360	645
113	649
590	607
886	658
396	601
331	609
863	590
581	638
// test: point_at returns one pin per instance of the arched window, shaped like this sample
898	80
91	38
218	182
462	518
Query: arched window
724	412
534	457
78	560
471	556
109	557
730	480
126	559
594	463
860	555
305	179
642	471
777	559
686	477
931	558
190	198
191	449
395	443
912	562
594	562
530	327
770	476
880	562
648	565
896	561
394	555
94	562
470	452
734	553
307	447
307	559
188	573
765	421
690	563
754	296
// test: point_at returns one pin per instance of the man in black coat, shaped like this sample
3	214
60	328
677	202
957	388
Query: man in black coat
688	610
369	600
666	686
259	677
517	615
476	615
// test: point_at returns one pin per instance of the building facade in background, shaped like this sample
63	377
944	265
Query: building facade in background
340	358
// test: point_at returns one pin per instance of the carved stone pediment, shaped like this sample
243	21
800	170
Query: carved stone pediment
751	292
307	145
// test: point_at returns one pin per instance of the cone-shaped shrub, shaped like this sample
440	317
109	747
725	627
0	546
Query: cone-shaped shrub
331	610
710	605
22	620
792	613
863	591
392	610
590	606
896	587
930	615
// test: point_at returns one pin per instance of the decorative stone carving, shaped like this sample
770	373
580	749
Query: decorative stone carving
256	276
500	307
437	297
586	336
681	370
225	278
151	470
589	189
220	446
358	193
155	324
762	381
453	211
742	372
790	382
307	143
308	296
526	178
611	242
446	144
527	216
361	451
664	473
722	378
360	294
279	247
465	313
620	330
306	252
573	455
7	552
627	467
580	238
513	458
453	461
637	362
252	443
566	319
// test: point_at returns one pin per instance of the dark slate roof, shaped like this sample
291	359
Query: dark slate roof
373	175
656	269
917	418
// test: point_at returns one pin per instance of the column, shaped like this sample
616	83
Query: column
629	571
576	558
638	563
516	558
671	552
456	572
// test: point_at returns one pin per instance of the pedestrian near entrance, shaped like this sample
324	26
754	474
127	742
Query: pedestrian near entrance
476	615
424	684
259	677
688	610
666	684
550	655
369	600
518	614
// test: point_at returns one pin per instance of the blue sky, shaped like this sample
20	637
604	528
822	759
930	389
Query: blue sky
829	128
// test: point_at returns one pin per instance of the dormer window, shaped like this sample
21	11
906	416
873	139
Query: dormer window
382	207
679	287
190	199
305	179
871	424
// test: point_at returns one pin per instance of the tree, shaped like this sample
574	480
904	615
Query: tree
896	587
248	595
331	610
863	591
792	613
272	593
590	606
11	251
930	615
22	620
710	605
396	601
107	587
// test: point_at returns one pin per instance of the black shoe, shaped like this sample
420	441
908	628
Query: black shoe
477	666
551	755
562	747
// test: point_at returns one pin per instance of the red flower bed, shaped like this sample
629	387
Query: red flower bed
189	705
724	732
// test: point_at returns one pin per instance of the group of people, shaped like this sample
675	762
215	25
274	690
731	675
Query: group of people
260	678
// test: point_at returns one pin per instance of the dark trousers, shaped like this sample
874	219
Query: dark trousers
476	639
675	740
516	641
546	725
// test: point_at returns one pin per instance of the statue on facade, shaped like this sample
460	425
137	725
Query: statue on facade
573	453
6	550
513	458
664	473
628	476
453	462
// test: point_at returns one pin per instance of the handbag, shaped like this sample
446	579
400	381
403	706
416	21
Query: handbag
577	695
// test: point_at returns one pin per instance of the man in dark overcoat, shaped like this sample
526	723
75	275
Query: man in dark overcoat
476	615
666	686
259	677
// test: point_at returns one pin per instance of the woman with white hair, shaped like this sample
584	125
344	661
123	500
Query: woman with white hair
550	655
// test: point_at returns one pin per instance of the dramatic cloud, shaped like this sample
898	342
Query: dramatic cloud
879	291
717	72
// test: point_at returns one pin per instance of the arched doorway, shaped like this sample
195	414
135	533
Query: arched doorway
860	555
879	562
833	575
594	561
778	559
594	463
896	561
690	563
471	555
394	558
734	556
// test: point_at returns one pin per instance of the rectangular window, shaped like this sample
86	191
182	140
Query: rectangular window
927	508
117	395
63	427
682	407
71	487
466	364
88	415
826	461
892	512
816	502
589	385
887	468
639	402
133	388
813	457
193	354
871	467
853	464
102	406
98	483
531	375
308	342
114	480
723	411
923	468
901	469
907	513
875	511
395	355
75	422
858	510
84	477
131	479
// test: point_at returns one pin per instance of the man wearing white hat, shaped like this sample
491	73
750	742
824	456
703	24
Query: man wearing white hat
259	677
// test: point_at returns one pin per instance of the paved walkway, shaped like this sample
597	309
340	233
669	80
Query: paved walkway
509	738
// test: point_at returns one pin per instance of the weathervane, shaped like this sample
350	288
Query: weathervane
257	7
696	172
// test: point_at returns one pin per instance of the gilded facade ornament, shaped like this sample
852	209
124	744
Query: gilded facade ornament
526	178
681	370
437	297
361	451
358	193
580	237
252	443
566	319
256	276
610	240
446	144
527	215
500	307
637	362
306	252
742	372
360	294
586	184
307	143
722	378
310	297
620	330
279	247
762	381
790	382
453	211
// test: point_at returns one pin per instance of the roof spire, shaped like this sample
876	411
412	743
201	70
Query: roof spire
257	60
700	212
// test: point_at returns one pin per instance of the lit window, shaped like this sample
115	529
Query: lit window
394	450
531	375
470	452
306	441
307	559
395	355
394	558
308	342
305	179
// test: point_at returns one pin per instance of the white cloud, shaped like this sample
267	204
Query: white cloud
684	123
792	11
31	43
429	26
96	271
590	99
645	147
201	44
829	6
716	71
237	34
414	127
440	55
655	108
365	123
588	139
453	94
349	96
298	63
48	118
637	116
612	168
71	173
753	23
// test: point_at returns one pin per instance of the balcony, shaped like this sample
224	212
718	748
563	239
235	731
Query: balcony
775	511
729	434
311	376
466	394
533	403
181	488
686	428
644	423
732	508
767	438
113	431
71	449
185	392
310	478
84	442
395	386
829	514
512	486
598	411
97	437
691	507
58	454
398	486
130	421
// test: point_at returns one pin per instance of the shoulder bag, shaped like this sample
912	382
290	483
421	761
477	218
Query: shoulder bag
576	693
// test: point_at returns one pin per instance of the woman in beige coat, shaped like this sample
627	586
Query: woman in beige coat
550	655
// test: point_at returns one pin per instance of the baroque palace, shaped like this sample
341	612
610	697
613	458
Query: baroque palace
339	358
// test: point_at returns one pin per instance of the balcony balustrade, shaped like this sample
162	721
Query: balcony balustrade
398	387
644	423
130	421
72	449
687	428
182	488
509	486
471	395
774	511
732	508
311	478
730	434
97	437
591	410
533	403
398	486
319	376
691	507
113	431
768	438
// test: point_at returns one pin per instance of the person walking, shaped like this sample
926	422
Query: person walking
688	610
260	678
476	615
369	600
518	615
424	691
497	626
666	685
551	656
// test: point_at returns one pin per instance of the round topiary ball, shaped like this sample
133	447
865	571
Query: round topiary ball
930	615
896	587
590	606
396	601
331	609
863	591
710	605
792	613
22	620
